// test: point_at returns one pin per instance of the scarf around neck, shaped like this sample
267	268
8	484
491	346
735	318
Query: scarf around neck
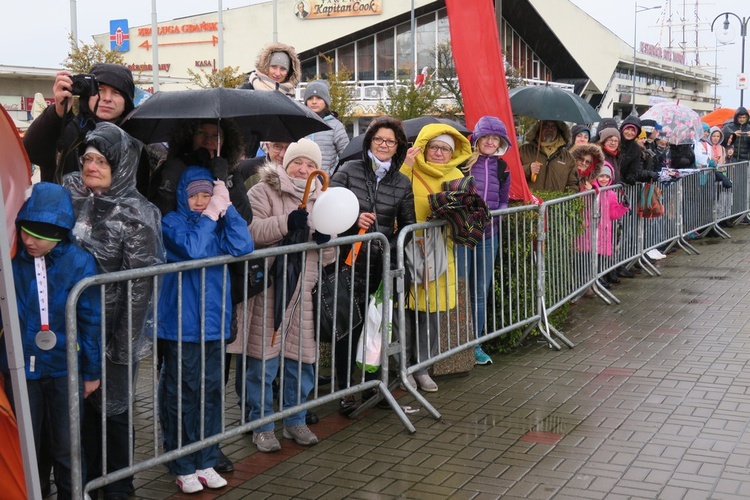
380	168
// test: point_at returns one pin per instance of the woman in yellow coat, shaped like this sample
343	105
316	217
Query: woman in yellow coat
434	159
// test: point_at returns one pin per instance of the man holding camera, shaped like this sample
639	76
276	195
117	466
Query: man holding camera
105	94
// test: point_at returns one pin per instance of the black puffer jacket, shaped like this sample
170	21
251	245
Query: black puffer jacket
741	140
392	198
632	160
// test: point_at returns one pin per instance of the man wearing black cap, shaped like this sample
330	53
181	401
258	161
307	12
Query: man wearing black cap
53	139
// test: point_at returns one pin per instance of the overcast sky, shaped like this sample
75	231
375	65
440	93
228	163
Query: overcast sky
35	32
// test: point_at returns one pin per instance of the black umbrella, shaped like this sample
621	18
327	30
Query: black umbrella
268	115
412	127
545	102
286	271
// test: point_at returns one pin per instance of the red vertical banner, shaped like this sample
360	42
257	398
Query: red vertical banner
481	74
15	173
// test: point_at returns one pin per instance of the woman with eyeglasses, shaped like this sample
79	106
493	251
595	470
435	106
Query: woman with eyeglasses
386	205
492	177
122	230
436	157
589	158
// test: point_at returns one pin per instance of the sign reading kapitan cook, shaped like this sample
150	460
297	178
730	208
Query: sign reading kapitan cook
321	9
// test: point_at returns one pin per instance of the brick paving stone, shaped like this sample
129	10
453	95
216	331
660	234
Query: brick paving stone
652	403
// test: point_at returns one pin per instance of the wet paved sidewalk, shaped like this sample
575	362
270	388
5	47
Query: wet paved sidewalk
652	403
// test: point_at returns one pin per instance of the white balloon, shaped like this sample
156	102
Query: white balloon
335	211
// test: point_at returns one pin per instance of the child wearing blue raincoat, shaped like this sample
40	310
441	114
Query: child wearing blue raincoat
45	269
205	224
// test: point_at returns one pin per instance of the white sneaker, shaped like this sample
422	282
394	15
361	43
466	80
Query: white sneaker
210	478
655	254
189	483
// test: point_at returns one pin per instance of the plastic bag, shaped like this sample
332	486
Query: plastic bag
370	343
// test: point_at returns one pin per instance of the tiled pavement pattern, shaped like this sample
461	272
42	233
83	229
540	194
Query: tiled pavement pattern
652	403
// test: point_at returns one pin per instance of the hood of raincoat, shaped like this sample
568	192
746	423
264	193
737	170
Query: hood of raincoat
49	203
263	63
711	132
490	125
532	135
741	111
461	152
123	153
631	120
190	174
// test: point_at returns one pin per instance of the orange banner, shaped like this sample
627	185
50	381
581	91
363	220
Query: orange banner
15	173
322	9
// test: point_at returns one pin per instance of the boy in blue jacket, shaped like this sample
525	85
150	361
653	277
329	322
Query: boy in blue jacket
205	224
45	269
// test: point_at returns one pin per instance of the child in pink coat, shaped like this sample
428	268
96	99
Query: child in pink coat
609	207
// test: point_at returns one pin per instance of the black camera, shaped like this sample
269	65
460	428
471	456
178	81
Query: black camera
84	85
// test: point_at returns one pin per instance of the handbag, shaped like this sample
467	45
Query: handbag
650	201
334	290
425	254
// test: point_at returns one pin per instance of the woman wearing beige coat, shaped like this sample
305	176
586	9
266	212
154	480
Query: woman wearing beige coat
275	201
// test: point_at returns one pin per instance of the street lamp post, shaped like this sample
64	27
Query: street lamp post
635	42
725	36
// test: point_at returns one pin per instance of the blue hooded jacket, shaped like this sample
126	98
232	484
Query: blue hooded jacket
189	235
66	265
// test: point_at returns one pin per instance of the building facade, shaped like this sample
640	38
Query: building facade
541	39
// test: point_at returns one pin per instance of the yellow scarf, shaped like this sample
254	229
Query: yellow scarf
550	147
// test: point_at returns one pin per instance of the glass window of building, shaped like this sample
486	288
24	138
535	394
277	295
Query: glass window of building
309	68
443	28
327	64
386	55
404	55
426	41
346	58
366	58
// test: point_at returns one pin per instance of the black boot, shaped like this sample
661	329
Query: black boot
603	283
613	278
224	464
622	272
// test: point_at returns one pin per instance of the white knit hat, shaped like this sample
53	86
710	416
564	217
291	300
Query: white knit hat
304	148
446	138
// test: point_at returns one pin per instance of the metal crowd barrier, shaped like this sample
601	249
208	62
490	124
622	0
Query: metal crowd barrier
143	412
547	255
426	339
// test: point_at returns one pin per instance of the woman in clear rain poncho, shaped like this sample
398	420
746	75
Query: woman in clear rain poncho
122	230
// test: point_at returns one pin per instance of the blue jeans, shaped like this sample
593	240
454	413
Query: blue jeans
293	372
478	265
191	402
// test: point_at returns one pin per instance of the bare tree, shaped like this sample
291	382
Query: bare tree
229	77
342	97
82	57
